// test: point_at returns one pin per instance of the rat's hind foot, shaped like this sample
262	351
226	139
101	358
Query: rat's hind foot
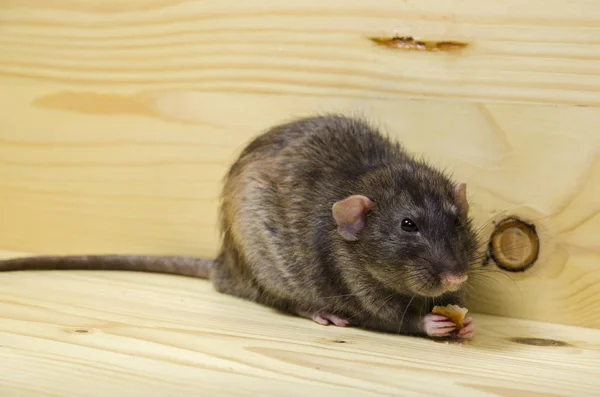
468	329
437	326
326	319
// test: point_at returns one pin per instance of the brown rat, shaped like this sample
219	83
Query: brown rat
326	218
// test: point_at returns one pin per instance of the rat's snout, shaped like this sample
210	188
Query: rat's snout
453	281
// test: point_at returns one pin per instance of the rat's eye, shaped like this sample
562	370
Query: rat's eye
458	222
408	225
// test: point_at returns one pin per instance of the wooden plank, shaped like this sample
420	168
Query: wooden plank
119	119
100	334
539	51
105	177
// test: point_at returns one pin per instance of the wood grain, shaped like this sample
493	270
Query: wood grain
119	119
98	334
542	51
74	182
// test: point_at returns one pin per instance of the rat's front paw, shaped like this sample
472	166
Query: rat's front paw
468	329
437	326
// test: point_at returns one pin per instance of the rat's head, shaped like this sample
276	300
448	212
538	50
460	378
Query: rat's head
414	237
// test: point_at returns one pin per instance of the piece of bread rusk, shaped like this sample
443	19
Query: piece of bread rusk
455	313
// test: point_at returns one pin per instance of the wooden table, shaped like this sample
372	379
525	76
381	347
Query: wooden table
106	334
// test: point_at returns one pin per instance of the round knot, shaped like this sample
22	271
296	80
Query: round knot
514	245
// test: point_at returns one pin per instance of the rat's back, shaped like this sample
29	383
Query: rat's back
276	205
330	141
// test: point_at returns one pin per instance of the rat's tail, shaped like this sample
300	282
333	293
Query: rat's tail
177	265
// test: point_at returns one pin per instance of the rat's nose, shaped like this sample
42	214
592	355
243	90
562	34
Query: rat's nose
453	280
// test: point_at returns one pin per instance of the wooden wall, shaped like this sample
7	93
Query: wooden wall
119	117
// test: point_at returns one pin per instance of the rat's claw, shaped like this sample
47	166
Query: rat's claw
468	330
438	326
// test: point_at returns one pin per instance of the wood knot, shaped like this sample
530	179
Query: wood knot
539	342
79	330
514	245
412	44
327	340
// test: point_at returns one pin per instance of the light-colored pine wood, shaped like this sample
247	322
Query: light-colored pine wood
119	119
78	183
542	51
101	334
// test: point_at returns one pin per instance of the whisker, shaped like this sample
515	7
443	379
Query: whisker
506	210
385	300
488	281
404	313
343	295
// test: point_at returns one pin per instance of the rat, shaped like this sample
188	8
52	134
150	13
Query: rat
326	218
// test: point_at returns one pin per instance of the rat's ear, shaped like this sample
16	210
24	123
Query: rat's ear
460	195
349	214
